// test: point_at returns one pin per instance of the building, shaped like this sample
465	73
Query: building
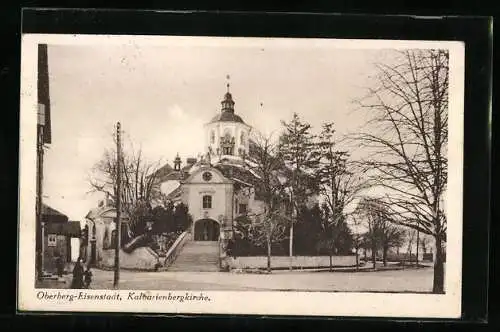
219	186
57	237
99	233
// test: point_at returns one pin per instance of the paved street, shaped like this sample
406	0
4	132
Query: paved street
410	280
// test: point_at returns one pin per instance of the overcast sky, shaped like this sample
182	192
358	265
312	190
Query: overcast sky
163	95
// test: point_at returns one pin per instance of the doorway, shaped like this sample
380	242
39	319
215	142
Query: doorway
206	230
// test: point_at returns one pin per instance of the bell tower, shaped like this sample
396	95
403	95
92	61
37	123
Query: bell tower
177	163
227	134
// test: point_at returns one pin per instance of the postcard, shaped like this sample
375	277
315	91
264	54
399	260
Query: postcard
224	175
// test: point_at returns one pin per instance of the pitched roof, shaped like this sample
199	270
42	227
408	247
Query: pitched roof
71	228
175	194
51	215
162	171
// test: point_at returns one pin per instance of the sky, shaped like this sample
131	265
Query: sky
162	95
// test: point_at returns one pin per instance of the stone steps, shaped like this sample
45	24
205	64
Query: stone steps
197	256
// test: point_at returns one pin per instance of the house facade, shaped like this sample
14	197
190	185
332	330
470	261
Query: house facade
99	233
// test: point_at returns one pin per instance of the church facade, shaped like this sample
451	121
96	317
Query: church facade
219	186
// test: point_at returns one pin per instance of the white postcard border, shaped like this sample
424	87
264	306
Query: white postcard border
246	302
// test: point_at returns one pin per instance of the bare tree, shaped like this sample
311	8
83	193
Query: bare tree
339	183
408	139
138	189
269	226
372	216
411	235
357	235
391	236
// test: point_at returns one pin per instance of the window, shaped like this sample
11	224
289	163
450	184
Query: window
242	208
242	138
212	137
207	202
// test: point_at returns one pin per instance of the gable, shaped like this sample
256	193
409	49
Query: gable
213	176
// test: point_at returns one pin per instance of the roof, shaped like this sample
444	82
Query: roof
100	211
71	228
163	171
51	215
227	117
174	175
175	194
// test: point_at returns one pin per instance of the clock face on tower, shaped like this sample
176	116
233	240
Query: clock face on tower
207	176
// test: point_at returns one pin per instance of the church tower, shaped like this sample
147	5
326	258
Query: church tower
227	134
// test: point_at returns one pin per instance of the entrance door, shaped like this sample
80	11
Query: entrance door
206	230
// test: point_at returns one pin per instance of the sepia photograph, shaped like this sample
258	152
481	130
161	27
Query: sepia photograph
175	170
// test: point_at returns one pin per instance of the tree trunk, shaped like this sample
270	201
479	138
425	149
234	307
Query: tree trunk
438	284
418	242
357	259
291	247
374	256
384	255
331	264
269	256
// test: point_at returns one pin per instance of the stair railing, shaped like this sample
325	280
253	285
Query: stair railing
175	249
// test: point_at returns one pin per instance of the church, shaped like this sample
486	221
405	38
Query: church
218	186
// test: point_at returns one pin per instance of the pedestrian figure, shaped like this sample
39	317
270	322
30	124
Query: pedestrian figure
59	266
230	248
87	277
77	281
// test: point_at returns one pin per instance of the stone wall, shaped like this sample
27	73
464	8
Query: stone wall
254	262
143	258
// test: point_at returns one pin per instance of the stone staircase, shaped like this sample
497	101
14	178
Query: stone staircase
197	256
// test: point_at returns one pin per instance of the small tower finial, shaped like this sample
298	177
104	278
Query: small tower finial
227	84
177	163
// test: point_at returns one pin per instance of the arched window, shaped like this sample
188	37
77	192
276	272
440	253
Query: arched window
207	202
227	143
212	137
242	138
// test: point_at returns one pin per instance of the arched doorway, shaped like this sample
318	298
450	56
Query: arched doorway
206	230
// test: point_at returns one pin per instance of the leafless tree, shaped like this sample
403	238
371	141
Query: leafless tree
340	182
408	139
372	215
357	235
269	226
391	236
138	189
411	239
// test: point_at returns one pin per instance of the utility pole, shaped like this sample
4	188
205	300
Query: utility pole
118	207
39	203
